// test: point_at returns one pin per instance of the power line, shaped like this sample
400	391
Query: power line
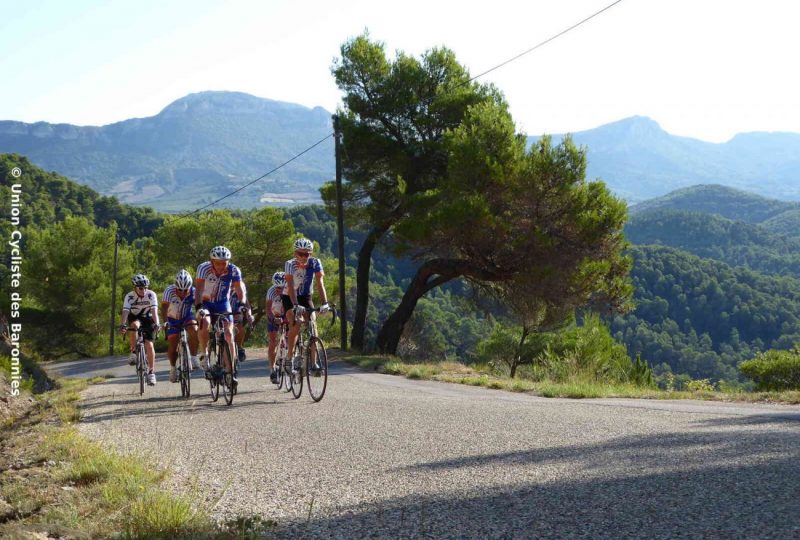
548	40
328	136
498	66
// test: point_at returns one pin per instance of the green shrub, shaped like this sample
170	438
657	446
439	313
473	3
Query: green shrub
774	370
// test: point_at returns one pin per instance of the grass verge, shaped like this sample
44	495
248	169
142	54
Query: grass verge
455	372
57	483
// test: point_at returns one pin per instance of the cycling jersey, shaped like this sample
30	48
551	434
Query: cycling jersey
139	306
303	276
217	289
179	308
274	294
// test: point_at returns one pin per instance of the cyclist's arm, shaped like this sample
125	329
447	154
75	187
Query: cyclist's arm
199	285
126	309
164	306
323	294
241	292
154	309
291	292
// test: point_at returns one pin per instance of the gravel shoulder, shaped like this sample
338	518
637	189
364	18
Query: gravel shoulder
387	457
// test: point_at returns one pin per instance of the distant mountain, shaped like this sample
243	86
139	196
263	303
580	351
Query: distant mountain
639	160
198	148
205	145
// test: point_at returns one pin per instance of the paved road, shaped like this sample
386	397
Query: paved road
386	457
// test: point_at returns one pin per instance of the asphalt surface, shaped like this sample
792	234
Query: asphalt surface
386	457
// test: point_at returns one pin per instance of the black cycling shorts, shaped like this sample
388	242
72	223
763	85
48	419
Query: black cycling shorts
302	299
147	325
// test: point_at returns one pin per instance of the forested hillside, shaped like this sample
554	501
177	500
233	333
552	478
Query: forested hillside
721	200
710	236
701	316
48	197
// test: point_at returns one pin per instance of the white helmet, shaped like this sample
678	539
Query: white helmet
183	280
279	279
140	280
221	252
304	243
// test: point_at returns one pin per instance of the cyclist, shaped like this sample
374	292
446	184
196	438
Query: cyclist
216	280
274	310
241	312
300	271
176	309
140	309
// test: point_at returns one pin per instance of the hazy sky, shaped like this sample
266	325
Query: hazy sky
701	68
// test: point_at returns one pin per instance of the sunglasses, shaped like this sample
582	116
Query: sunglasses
302	254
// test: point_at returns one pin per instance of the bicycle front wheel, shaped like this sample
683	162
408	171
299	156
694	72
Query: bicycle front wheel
186	377
316	368
296	375
141	362
227	380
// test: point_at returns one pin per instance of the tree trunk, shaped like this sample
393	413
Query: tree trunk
518	356
442	271
362	286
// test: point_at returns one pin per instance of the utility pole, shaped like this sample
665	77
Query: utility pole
337	135
113	296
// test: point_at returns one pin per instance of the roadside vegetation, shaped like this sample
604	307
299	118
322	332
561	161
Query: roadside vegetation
578	383
55	483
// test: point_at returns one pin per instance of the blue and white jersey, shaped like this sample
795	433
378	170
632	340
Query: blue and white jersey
274	294
217	289
303	276
179	308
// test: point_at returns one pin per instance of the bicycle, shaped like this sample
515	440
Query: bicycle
219	349
183	363
282	363
310	359
141	356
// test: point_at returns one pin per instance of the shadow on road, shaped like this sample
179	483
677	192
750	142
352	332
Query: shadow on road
650	490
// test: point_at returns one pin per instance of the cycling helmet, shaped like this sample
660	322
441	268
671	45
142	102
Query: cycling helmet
304	244
140	280
279	279
183	280
221	252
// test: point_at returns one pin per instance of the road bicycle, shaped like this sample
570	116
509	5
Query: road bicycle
220	350
310	360
282	363
141	356
183	364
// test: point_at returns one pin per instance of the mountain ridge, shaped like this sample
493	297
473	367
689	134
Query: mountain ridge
214	142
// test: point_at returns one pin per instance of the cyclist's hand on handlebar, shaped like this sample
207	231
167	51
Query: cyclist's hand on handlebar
324	308
299	310
123	328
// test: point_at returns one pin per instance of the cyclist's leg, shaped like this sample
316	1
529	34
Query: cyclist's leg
202	337
272	347
173	338
147	333
133	325
239	336
191	331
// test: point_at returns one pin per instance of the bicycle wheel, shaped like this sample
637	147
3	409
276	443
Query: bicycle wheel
186	377
141	362
279	370
297	376
227	379
212	371
317	378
